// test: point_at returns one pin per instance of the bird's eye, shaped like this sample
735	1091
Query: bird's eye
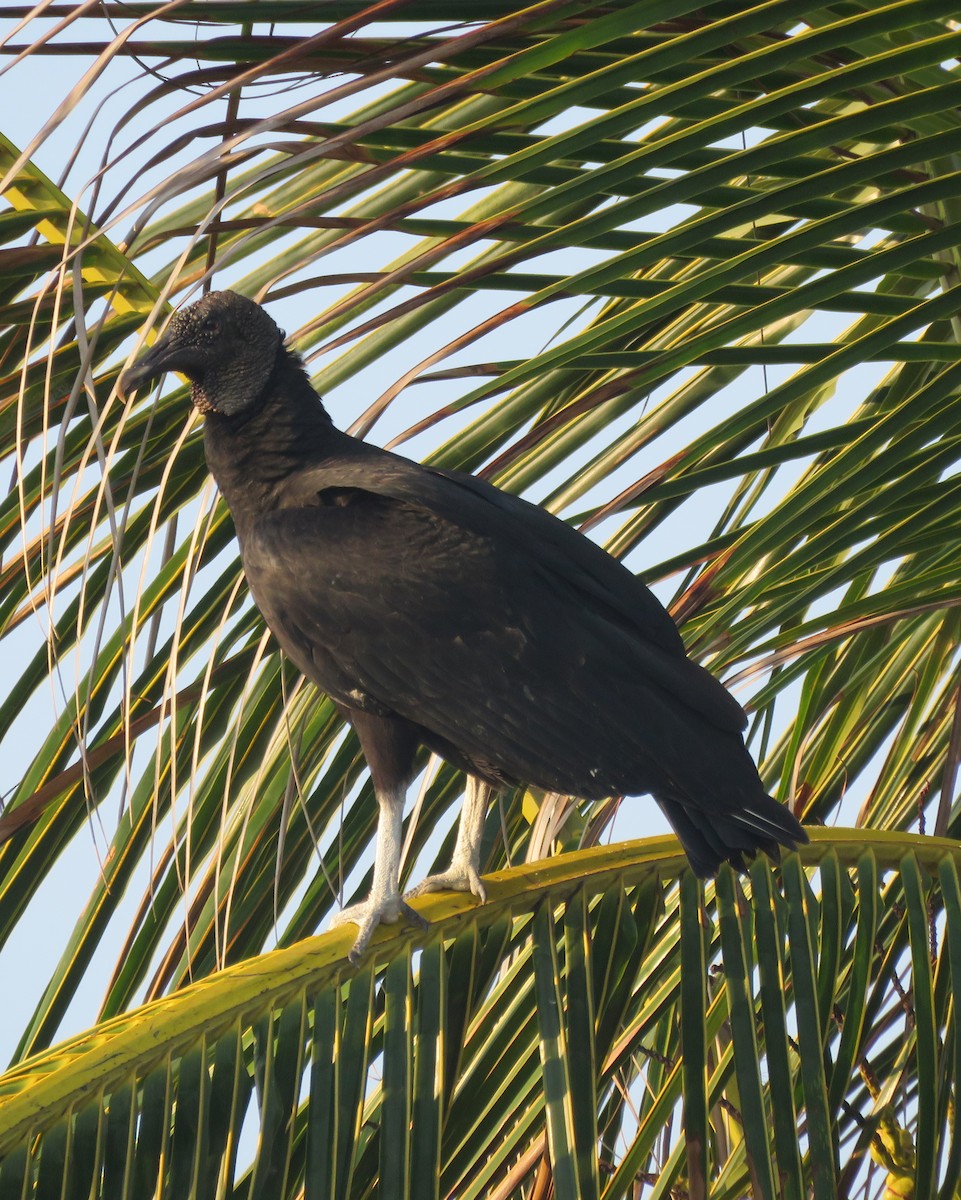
211	325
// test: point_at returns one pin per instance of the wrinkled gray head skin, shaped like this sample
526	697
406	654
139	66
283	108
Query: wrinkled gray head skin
225	344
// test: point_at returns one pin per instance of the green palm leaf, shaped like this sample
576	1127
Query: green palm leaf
687	275
333	1066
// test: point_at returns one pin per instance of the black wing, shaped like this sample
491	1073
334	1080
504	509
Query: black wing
479	508
493	627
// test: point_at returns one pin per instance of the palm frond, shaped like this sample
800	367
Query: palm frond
689	276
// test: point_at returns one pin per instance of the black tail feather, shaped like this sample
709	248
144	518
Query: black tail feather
712	838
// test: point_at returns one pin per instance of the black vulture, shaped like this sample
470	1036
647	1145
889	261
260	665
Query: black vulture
436	610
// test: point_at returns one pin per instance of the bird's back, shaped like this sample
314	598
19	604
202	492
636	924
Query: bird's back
518	648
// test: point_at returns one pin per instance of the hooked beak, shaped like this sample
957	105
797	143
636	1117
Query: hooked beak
166	354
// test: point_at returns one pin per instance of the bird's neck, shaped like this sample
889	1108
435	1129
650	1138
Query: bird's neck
252	454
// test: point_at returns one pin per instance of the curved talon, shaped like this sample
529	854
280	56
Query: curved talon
368	915
412	916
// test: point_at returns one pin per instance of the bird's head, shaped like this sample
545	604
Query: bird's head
225	344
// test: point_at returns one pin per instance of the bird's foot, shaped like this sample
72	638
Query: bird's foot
459	877
387	910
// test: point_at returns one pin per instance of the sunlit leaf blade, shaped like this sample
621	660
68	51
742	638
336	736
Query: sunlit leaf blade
694	1035
250	1025
687	274
810	1036
737	971
775	998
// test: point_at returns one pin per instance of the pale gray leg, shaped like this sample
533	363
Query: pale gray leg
384	905
462	875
